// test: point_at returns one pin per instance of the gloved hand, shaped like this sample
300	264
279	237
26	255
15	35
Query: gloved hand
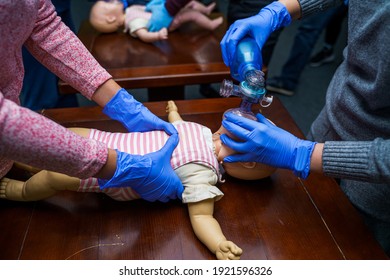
259	27
266	143
133	115
160	16
150	175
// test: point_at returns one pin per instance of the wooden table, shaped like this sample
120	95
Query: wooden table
281	217
191	55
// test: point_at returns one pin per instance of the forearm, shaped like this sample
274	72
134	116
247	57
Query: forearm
293	7
365	161
357	160
303	8
316	158
105	92
108	169
35	140
208	231
206	228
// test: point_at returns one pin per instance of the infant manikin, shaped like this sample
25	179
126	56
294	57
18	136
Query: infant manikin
109	16
196	160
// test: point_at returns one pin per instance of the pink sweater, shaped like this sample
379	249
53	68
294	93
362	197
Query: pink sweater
26	136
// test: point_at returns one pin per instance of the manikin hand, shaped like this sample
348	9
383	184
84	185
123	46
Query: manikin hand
259	27
134	116
150	175
227	250
266	143
160	16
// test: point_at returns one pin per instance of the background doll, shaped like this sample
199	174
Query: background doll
109	16
195	161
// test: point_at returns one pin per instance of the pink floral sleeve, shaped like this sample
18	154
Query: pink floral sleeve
59	49
33	139
26	136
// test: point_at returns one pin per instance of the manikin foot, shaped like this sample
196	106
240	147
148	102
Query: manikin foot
215	23
171	107
11	189
210	8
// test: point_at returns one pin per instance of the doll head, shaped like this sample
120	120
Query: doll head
239	170
107	16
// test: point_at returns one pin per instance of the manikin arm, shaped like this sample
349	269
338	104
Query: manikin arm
149	37
205	226
209	232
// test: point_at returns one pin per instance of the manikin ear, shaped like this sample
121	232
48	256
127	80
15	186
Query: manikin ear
248	165
110	19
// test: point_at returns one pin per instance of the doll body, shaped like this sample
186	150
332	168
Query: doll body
193	155
108	17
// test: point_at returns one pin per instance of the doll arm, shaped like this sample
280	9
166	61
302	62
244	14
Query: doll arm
149	37
209	232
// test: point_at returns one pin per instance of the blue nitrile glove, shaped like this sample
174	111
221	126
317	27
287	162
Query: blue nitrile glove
150	175
266	143
133	115
259	27
160	16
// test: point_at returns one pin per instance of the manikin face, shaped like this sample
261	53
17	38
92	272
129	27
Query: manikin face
107	16
240	170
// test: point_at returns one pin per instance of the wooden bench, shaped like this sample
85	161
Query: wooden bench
191	55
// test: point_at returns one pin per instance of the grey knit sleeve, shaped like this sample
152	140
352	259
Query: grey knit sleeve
309	7
367	161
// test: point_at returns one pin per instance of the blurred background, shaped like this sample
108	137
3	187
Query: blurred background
309	96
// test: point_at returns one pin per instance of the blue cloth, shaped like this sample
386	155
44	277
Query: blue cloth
305	39
127	3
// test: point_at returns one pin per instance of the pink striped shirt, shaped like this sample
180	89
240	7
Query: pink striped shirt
26	136
192	148
135	12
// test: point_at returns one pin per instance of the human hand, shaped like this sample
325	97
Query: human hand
259	27
227	250
150	175
266	143
133	115
160	16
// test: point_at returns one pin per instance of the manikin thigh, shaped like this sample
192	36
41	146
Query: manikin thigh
41	185
46	183
80	131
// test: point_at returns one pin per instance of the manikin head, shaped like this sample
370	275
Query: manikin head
240	170
107	16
